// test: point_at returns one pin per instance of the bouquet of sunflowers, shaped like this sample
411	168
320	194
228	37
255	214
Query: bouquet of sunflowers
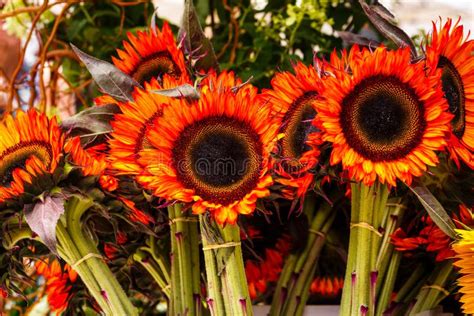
186	190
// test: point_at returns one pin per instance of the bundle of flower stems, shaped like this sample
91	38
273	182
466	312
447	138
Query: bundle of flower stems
152	196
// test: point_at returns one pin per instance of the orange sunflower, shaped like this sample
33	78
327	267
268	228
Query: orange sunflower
292	97
327	286
454	55
92	161
148	56
130	128
59	283
385	120
214	152
30	148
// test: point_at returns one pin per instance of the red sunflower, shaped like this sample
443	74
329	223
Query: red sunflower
327	286
292	97
454	55
30	148
385	120
93	161
59	282
148	56
214	152
130	128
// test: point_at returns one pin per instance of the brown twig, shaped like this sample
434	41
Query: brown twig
77	90
29	9
57	21
57	54
129	4
11	94
235	37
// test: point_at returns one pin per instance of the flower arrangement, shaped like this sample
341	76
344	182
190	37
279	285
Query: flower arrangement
188	190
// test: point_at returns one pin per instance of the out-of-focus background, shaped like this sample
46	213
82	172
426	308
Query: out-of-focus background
412	15
253	37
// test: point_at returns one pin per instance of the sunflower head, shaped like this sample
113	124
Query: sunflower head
59	281
30	152
292	97
464	260
386	119
129	136
149	55
213	152
92	161
451	52
152	59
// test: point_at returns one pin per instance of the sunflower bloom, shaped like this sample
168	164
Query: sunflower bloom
214	152
454	55
327	286
30	147
464	255
130	128
91	161
148	57
385	120
292	97
59	283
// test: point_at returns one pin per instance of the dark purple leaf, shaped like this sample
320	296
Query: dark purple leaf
109	78
383	11
352	38
390	31
434	208
91	124
42	218
195	42
185	90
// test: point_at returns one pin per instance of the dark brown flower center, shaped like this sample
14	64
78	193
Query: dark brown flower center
155	66
142	140
220	158
382	118
453	89
297	126
16	157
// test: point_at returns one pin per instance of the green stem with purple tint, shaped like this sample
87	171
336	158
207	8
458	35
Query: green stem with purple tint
185	272
368	211
227	286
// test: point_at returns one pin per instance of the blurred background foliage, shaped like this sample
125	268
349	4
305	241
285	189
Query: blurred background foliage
253	38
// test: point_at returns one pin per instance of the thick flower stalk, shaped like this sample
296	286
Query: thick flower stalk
294	284
79	250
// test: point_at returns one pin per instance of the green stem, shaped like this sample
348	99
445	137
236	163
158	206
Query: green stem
227	282
281	291
69	253
415	277
185	271
429	293
109	286
388	283
305	269
367	214
148	262
286	280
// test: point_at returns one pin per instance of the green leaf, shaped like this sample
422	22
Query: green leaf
195	41
435	209
109	78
